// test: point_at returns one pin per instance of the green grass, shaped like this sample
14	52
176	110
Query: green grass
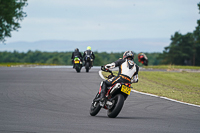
172	67
181	86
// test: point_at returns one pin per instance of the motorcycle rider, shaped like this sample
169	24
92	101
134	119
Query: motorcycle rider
90	53
76	53
142	58
128	73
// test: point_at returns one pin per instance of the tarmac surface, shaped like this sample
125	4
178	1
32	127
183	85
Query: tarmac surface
57	100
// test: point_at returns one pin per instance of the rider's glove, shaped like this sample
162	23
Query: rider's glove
110	76
134	79
110	66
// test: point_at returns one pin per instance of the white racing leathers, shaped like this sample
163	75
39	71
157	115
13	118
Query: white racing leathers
126	68
128	73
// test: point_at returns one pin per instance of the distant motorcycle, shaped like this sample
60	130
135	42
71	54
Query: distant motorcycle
115	97
142	58
88	63
77	64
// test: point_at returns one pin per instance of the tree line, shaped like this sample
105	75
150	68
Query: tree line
64	58
183	49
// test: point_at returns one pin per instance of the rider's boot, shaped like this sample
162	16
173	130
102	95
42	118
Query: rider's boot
103	92
91	63
102	96
102	99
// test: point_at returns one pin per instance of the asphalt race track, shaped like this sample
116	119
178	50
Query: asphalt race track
57	100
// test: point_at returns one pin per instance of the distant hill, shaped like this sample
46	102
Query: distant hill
136	45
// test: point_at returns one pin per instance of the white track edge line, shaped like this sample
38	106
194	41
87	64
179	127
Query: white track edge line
152	95
100	74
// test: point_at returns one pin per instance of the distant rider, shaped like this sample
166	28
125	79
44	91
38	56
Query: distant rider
90	53
128	72
76	53
142	58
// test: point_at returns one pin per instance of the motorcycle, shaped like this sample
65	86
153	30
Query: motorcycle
88	63
142	58
115	97
77	64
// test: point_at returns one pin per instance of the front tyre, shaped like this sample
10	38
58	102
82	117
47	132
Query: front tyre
95	108
118	102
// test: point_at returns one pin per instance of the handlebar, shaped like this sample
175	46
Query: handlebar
106	70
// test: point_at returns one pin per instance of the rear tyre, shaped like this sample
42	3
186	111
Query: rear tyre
87	66
118	104
77	67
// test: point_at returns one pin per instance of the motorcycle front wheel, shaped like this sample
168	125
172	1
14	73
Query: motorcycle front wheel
95	106
118	102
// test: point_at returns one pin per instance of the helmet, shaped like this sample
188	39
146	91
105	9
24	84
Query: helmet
76	50
88	48
128	54
142	58
142	55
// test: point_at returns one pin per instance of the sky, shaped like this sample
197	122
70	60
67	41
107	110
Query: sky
84	20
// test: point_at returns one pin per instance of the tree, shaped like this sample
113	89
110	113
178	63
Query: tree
184	49
180	51
11	12
196	44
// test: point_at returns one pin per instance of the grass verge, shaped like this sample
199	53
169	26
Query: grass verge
181	86
172	67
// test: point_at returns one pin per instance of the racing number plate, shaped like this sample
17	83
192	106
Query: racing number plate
76	62
126	89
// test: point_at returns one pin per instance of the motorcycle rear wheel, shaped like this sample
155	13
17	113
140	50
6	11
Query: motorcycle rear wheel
78	68
118	104
87	66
